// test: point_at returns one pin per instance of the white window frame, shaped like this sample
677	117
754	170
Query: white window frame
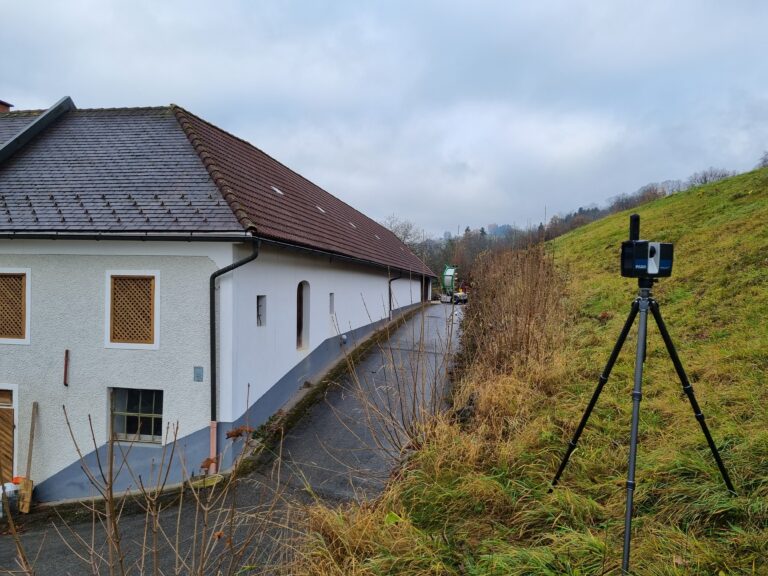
148	440
27	304
108	310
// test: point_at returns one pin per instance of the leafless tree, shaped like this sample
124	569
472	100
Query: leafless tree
763	163
708	176
406	230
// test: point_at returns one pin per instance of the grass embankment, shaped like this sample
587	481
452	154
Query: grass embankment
474	498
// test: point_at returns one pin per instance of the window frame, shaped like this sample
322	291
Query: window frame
14	390
261	315
136	438
27	304
155	345
303	303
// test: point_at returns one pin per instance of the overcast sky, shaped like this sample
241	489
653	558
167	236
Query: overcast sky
446	113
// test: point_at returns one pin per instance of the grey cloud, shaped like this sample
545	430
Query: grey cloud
444	113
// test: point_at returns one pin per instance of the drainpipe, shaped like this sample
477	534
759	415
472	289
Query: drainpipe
214	449
390	292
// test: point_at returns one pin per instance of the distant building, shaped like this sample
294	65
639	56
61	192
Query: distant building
156	270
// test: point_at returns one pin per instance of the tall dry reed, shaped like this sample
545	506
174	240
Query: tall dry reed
515	318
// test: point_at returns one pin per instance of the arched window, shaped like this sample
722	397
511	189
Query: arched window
302	315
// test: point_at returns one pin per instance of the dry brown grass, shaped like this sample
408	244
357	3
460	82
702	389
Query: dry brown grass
444	498
515	320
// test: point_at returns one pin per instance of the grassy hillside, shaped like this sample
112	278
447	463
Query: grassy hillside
474	498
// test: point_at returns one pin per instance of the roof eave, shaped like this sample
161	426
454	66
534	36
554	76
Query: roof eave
222	236
341	256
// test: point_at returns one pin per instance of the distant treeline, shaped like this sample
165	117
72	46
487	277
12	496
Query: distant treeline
463	250
559	225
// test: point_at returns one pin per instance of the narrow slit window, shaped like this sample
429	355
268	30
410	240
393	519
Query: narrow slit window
13	308
261	310
132	310
302	315
331	304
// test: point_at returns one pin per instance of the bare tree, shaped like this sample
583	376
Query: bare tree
708	176
763	163
406	230
673	186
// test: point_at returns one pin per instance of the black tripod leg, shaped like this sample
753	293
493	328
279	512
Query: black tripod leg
637	395
601	382
688	389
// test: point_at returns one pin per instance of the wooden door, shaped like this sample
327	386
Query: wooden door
6	435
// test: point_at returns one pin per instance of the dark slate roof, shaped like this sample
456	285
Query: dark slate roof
14	122
160	170
121	170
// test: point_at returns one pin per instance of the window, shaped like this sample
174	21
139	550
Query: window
132	314
261	310
6	435
137	415
14	306
331	304
302	315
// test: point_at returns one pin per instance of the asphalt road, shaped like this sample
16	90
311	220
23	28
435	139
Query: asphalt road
342	450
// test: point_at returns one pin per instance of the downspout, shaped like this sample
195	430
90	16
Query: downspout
390	292
214	442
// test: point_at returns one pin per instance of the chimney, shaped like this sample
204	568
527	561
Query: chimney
5	106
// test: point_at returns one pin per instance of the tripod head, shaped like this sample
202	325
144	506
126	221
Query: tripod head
642	259
646	283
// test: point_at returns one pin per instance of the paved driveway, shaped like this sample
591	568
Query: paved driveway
343	449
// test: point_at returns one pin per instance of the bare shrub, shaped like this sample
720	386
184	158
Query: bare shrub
514	320
210	524
402	399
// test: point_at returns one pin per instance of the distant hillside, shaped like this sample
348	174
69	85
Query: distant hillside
473	499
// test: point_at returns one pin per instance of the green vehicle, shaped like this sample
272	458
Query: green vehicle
449	282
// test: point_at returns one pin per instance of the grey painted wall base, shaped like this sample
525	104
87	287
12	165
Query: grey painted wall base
147	462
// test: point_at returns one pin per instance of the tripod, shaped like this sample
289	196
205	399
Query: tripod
642	304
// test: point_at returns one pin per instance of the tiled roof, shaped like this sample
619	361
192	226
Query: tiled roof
285	206
108	171
158	170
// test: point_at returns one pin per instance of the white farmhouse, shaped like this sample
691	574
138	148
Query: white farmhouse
156	270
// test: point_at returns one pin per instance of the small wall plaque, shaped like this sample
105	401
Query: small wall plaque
198	373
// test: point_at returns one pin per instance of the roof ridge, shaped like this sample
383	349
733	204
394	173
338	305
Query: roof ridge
22	112
213	169
125	108
104	109
35	128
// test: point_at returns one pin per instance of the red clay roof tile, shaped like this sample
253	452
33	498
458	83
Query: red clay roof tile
302	213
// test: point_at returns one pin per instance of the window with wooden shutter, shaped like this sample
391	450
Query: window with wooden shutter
13	309
132	310
6	435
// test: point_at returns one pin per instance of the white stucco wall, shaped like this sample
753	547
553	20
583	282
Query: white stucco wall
263	354
68	281
68	312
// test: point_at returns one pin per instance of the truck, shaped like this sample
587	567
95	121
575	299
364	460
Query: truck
451	288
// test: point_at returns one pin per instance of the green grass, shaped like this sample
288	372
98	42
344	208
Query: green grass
474	500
